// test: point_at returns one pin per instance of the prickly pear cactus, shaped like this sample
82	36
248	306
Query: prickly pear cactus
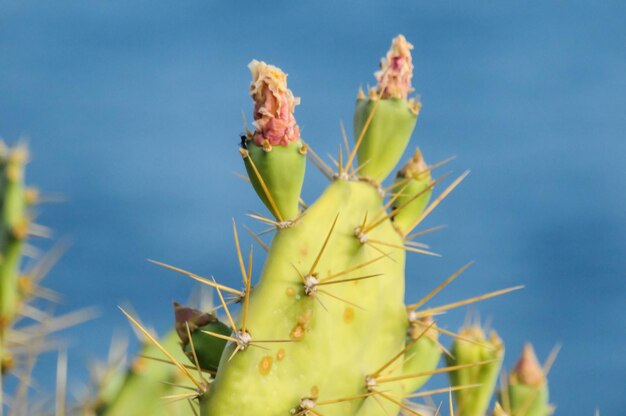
328	312
323	328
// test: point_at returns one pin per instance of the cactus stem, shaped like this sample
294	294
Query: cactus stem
439	309
442	390
439	288
275	211
212	283
437	201
201	386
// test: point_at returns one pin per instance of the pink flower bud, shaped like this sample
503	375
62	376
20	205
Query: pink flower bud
274	105
528	371
396	70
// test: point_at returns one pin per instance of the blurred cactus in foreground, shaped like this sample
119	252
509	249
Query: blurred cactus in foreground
26	321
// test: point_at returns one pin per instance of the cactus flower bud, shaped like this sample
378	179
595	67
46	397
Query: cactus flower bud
274	154
396	70
274	105
208	349
528	388
528	371
386	119
412	183
475	349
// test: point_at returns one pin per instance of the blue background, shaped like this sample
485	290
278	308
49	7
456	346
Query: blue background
133	112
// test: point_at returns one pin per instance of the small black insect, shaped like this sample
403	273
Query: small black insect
243	138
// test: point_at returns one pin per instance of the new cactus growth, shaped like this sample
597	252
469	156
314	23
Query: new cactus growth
474	346
274	154
414	187
384	119
528	387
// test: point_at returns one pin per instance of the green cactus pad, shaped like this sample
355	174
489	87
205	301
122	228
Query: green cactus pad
386	137
281	169
208	348
422	357
357	335
475	401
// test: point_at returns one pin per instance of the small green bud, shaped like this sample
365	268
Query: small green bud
412	183
274	154
386	119
528	387
423	355
473	346
207	348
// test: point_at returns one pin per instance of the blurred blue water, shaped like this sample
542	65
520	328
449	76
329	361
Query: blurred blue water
133	111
